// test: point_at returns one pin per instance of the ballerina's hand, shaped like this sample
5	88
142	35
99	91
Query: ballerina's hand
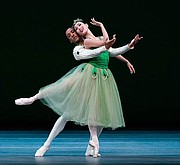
131	68
109	43
96	23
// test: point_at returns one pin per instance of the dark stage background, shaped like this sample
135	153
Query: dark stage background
35	52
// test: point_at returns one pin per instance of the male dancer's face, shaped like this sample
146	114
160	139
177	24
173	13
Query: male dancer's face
72	35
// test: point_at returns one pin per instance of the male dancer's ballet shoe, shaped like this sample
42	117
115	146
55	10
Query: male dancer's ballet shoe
41	151
24	101
95	147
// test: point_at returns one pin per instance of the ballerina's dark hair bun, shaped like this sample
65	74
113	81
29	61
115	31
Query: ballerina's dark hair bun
77	20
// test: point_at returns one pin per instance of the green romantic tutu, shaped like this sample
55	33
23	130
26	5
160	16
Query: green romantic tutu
87	95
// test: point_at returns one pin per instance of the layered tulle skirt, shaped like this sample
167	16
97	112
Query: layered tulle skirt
87	96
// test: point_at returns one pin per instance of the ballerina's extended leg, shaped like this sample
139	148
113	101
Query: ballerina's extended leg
27	101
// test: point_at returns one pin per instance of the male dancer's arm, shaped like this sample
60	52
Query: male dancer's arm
121	50
80	52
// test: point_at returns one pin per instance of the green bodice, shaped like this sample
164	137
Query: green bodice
100	61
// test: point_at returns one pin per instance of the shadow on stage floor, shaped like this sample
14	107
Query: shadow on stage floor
116	147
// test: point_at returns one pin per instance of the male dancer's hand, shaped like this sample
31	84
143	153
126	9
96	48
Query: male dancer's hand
135	40
109	43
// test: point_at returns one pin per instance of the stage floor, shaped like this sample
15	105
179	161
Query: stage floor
116	147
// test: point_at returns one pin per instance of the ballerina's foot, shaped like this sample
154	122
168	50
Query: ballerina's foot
41	151
95	155
91	153
24	101
96	149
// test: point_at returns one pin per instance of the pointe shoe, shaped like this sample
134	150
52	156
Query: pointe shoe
41	151
90	152
96	149
24	101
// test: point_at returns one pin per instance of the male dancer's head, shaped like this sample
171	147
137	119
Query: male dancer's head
73	36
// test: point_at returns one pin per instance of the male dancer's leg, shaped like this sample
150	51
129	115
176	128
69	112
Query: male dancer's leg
57	128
